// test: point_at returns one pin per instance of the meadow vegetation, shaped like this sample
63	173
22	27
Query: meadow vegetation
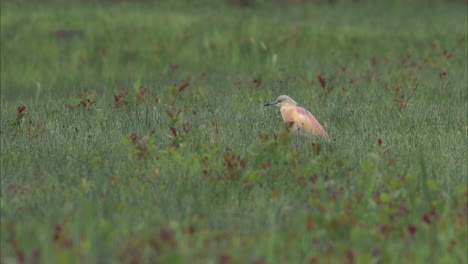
134	132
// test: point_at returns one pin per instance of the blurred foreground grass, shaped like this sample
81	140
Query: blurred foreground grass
134	133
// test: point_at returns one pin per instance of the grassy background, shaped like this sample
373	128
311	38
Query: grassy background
110	163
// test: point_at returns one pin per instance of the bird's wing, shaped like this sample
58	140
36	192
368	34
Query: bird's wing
308	122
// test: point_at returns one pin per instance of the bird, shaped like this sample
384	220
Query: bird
297	118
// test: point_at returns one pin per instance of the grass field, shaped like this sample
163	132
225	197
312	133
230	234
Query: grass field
135	133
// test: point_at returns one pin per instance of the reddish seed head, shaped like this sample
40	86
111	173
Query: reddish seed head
20	256
20	113
379	141
58	228
68	243
21	109
383	229
183	86
314	178
165	234
426	218
265	165
444	73
134	137
258	261
174	131
143	91
350	256
257	82
225	259
169	113
412	230
191	229
322	81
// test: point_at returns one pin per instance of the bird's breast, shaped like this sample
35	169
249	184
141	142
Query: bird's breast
290	117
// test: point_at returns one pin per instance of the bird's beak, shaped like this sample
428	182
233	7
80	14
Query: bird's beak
272	103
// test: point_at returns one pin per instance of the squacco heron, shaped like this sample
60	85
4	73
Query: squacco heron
297	118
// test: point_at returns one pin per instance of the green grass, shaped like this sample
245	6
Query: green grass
110	163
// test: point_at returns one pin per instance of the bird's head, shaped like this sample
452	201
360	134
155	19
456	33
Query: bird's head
282	100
